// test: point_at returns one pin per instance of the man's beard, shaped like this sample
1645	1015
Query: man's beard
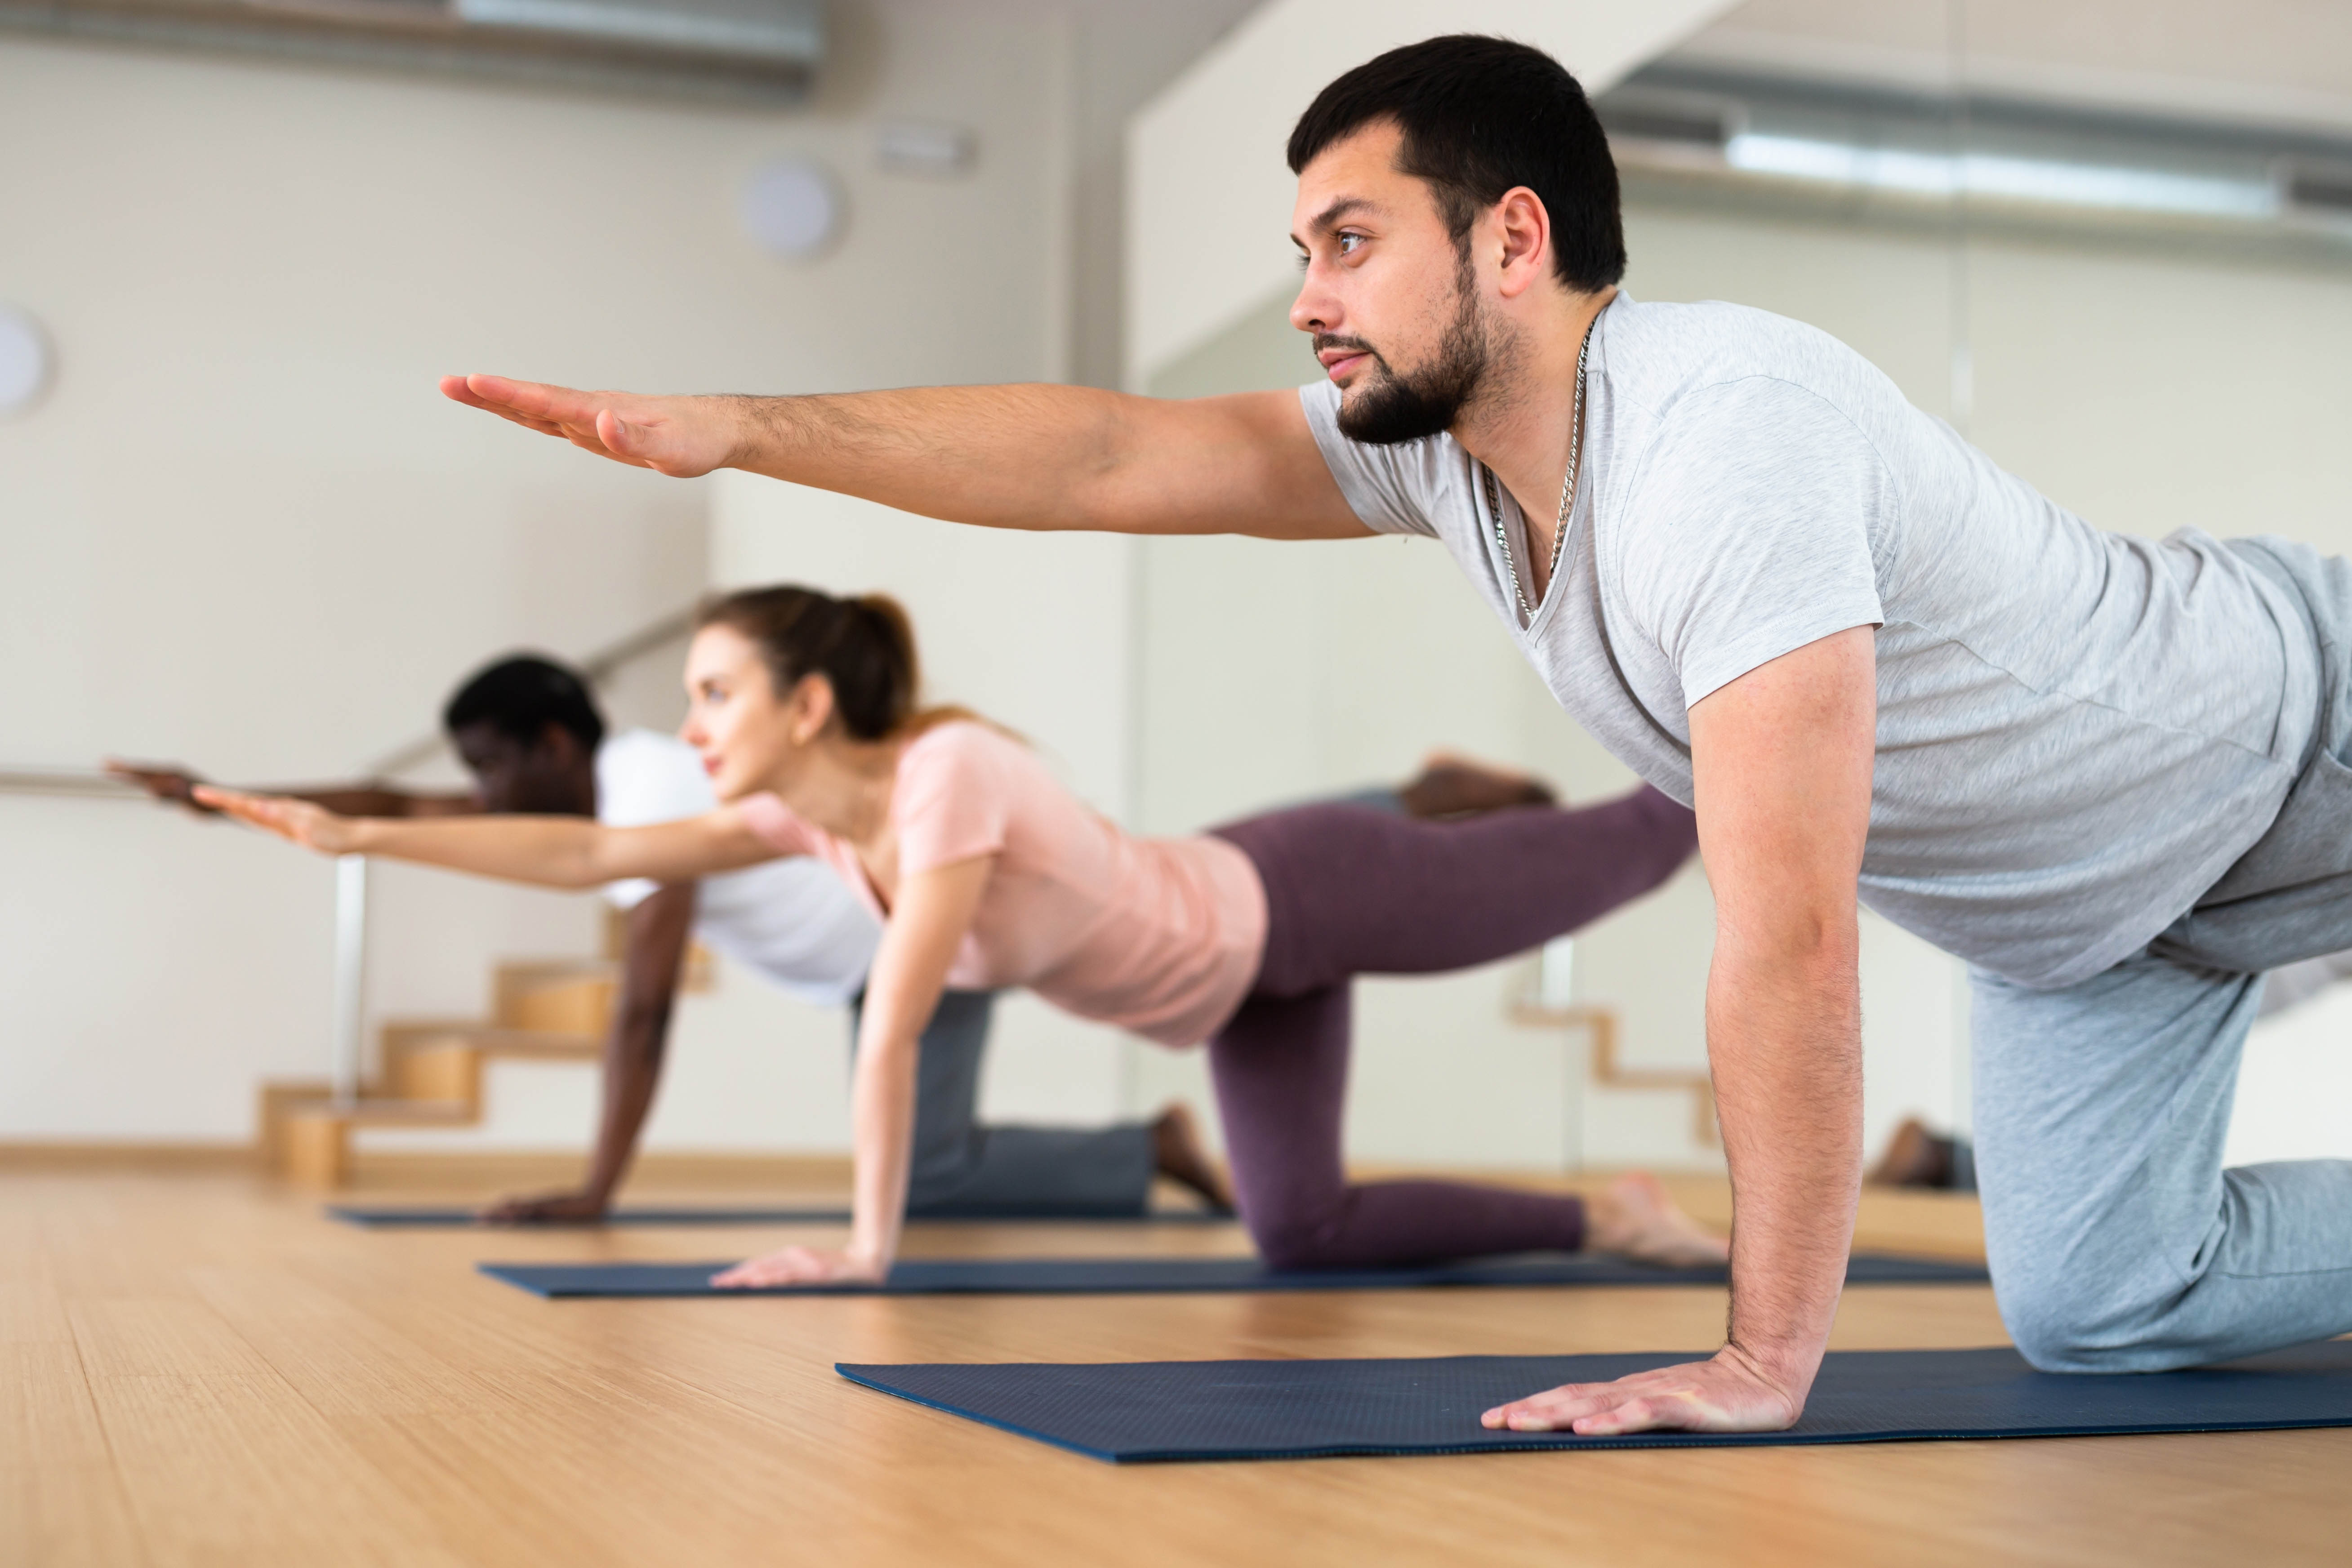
1389	408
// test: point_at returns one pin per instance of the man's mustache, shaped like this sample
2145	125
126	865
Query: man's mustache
1358	345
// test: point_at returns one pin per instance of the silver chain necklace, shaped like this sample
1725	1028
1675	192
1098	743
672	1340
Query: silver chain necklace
1567	489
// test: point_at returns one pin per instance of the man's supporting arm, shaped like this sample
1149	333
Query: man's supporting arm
654	952
1030	456
1782	761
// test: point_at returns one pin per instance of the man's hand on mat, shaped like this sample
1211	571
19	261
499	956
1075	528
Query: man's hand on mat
680	436
1728	1394
804	1266
311	827
554	1208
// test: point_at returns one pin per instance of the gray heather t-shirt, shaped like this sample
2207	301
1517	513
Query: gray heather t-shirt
2078	731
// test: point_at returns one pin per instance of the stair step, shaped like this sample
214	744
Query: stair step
496	1040
378	1112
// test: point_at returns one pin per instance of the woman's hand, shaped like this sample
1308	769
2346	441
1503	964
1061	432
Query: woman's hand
311	827
166	782
554	1208
804	1266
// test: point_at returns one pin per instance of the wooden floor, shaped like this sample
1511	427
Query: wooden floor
199	1368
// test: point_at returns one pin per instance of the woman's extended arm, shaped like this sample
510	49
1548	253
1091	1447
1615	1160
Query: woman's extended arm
930	915
553	851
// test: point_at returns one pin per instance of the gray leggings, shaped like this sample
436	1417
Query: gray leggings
962	1167
2117	1241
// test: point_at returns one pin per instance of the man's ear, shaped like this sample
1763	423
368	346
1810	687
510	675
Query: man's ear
1519	230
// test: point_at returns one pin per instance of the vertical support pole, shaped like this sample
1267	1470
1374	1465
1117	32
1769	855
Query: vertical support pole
351	974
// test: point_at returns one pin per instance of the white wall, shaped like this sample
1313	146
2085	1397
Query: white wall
245	532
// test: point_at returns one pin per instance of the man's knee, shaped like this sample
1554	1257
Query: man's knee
2088	1323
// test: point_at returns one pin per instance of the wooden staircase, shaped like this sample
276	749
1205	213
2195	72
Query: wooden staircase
429	1070
1601	1026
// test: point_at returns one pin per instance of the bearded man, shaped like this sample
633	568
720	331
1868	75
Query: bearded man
2104	771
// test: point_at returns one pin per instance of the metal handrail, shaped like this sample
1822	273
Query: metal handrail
85	783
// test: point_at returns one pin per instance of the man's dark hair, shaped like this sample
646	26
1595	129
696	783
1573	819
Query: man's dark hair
520	697
1481	116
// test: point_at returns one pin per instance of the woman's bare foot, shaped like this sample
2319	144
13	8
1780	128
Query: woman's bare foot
1451	784
1634	1217
1177	1153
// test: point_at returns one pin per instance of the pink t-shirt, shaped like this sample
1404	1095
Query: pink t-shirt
1162	936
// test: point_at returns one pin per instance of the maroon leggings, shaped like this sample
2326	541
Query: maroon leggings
1353	890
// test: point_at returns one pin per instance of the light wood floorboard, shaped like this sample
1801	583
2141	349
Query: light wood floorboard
201	1370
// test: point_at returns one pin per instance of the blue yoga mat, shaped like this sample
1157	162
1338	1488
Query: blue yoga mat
1162	1276
377	1217
1140	1412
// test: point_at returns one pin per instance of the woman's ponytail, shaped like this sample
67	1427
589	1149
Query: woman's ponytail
864	647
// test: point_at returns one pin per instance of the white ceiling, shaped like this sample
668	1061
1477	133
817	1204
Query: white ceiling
2285	62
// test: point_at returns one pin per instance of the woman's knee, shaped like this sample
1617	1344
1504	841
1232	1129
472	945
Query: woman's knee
1291	1241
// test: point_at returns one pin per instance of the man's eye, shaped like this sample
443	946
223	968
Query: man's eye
1347	243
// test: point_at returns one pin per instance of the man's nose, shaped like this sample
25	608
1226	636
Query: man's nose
1313	310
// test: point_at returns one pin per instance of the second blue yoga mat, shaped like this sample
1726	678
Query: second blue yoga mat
1140	1412
1161	1276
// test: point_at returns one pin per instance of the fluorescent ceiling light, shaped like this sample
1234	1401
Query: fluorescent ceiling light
2051	181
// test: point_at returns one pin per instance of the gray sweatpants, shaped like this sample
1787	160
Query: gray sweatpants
2117	1240
960	1167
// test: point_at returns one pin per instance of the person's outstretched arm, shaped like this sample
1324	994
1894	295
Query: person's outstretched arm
1030	456
659	928
548	851
1782	761
928	919
177	785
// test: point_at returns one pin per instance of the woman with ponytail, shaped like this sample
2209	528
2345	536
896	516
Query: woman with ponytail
987	873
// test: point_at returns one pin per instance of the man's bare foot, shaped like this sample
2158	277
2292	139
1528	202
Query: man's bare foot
1177	1153
1451	784
1634	1217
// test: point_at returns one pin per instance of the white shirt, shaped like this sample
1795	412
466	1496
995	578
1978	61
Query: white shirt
790	919
2078	731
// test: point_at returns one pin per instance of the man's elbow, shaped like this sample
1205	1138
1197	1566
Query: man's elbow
1815	941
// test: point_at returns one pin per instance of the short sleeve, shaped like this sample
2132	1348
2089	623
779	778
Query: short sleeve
955	797
773	821
1391	488
643	778
1749	529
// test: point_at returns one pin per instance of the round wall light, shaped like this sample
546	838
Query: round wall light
792	208
26	361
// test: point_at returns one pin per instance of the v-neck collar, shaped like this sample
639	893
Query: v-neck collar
1514	518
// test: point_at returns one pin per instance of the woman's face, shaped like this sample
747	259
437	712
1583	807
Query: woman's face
733	717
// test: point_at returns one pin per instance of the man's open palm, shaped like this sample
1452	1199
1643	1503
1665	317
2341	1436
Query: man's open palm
1723	1394
681	437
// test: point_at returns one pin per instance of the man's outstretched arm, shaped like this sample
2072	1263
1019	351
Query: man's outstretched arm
1030	456
1782	762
